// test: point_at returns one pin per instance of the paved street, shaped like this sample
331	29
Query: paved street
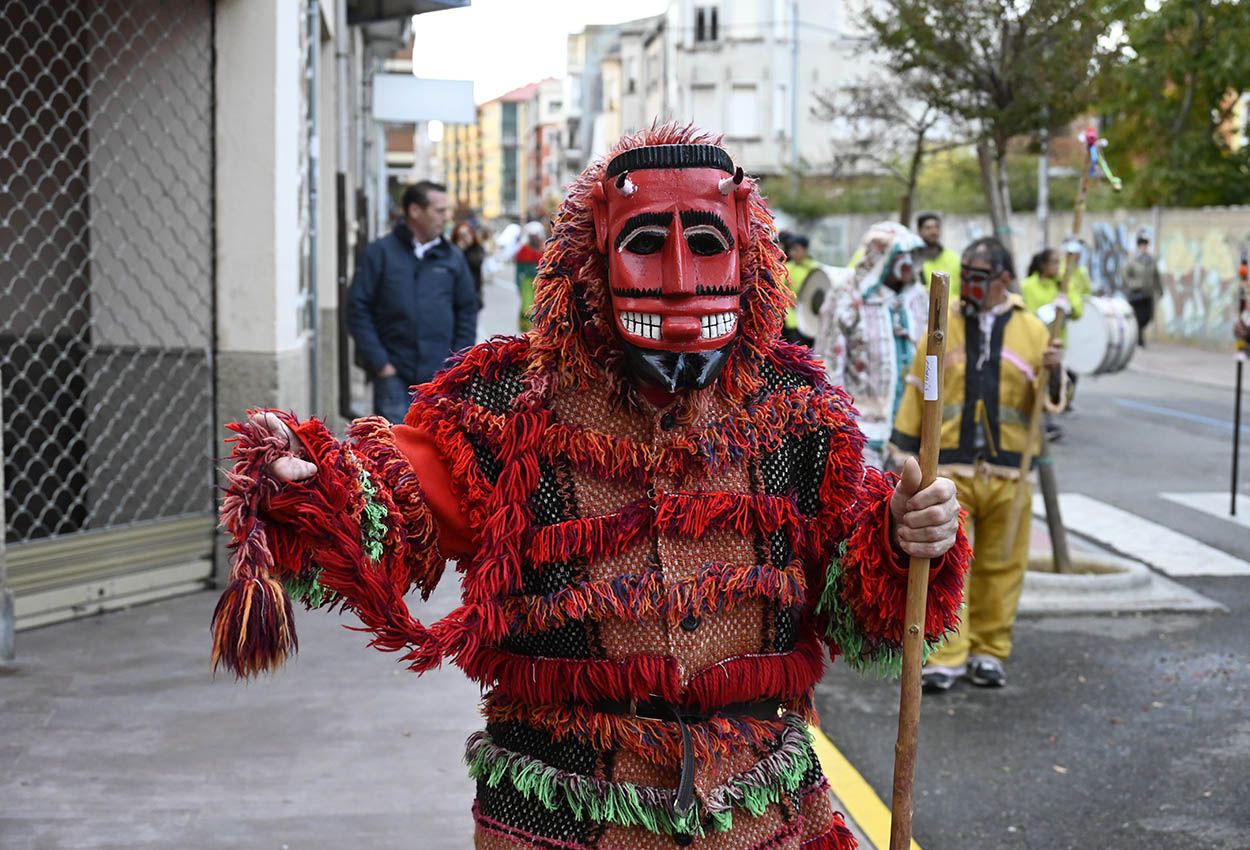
1114	732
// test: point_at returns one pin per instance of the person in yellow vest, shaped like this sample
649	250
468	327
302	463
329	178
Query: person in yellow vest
799	264
1041	287
934	257
995	350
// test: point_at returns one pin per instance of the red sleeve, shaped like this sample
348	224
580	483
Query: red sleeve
457	538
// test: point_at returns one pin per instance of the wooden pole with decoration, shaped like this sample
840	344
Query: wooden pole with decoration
918	575
1035	445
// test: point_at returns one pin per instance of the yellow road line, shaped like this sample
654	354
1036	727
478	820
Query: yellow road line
856	795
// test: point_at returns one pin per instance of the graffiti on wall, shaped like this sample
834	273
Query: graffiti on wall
1197	250
1199	269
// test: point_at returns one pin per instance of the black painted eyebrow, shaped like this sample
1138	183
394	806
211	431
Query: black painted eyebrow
647	219
689	218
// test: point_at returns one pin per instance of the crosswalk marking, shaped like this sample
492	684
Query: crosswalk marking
1215	504
1162	548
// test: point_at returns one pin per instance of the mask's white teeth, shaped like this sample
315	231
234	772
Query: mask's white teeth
645	325
718	325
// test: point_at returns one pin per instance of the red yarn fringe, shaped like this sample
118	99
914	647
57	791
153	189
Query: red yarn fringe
750	678
839	837
253	626
874	576
547	680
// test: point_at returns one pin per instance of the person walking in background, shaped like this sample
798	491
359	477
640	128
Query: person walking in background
870	323
466	239
933	256
995	348
529	252
412	301
799	264
1142	285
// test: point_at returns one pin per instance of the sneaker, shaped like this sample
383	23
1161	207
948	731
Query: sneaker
1053	433
986	671
936	678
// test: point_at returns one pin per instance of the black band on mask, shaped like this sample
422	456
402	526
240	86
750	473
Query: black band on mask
670	156
674	370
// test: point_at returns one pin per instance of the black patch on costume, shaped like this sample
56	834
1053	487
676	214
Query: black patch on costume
566	754
981	384
564	641
499	394
548	501
509	806
787	629
489	465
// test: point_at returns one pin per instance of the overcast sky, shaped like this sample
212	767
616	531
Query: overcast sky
504	44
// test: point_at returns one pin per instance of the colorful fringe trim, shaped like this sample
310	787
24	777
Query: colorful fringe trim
363	558
657	741
627	804
864	599
640	597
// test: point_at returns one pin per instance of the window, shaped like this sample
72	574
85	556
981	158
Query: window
705	107
744	112
781	112
706	23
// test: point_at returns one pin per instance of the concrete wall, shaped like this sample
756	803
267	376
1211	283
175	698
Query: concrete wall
1198	250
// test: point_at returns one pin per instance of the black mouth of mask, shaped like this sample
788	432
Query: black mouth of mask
677	370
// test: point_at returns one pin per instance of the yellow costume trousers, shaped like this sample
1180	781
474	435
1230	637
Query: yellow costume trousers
992	592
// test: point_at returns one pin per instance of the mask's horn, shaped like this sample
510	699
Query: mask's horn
625	185
728	184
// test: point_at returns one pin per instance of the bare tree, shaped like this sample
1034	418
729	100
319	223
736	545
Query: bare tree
1008	68
885	127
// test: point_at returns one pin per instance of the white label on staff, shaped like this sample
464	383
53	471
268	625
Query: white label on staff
930	377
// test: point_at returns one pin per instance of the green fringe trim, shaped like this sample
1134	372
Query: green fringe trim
373	528
627	804
880	658
307	588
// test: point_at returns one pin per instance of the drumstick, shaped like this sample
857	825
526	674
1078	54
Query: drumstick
918	575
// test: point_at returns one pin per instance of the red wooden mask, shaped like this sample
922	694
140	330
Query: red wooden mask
670	219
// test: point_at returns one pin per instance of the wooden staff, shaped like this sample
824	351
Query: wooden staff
918	575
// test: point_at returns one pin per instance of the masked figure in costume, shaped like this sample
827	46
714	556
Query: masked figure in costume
996	351
870	323
660	517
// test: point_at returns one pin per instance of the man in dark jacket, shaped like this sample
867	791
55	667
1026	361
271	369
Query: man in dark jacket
412	301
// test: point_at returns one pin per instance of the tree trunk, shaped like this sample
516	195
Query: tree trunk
1004	190
989	184
908	201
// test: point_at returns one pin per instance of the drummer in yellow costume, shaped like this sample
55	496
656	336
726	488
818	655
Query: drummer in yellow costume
995	349
1041	286
799	264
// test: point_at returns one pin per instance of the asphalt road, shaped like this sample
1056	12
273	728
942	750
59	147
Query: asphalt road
1114	732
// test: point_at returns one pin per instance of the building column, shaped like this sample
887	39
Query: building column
262	352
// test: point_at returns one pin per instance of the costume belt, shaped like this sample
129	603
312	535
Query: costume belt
769	709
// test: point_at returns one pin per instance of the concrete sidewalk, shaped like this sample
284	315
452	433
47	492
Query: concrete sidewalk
1197	365
114	734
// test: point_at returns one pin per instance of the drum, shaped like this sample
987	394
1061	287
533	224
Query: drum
1103	340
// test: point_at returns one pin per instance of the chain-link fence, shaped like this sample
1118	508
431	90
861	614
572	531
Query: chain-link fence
106	262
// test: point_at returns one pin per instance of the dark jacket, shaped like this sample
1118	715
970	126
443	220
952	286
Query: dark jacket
408	312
